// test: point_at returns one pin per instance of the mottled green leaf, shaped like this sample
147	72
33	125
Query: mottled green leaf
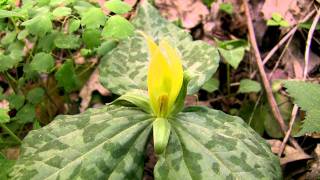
4	116
248	86
42	62
118	6
67	77
117	27
307	96
106	47
64	41
93	18
5	166
208	144
105	143
125	67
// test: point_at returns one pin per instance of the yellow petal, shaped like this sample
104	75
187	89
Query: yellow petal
174	60
165	76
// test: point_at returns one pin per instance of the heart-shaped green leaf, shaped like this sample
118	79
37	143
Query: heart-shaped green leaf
208	144
125	68
106	143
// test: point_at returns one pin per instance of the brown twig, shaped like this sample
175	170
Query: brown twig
272	102
305	73
283	40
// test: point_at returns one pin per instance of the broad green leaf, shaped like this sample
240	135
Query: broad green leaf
23	34
125	67
35	95
248	86
16	101
307	96
254	115
26	114
208	144
91	38
105	143
67	77
211	85
117	27
42	62
232	51
8	38
93	18
46	43
7	62
39	25
74	25
4	116
118	6
61	11
64	41
9	14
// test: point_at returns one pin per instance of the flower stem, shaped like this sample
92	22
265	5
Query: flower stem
3	126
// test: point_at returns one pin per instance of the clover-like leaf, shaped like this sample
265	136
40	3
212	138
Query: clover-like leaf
93	18
118	6
106	143
209	144
248	86
42	62
125	67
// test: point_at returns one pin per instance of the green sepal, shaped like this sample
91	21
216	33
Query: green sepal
136	98
161	133
179	103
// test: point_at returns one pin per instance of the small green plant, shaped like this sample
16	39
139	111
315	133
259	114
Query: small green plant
226	7
39	45
110	142
277	20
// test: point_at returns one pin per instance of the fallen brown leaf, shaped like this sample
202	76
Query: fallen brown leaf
191	12
290	10
291	154
92	84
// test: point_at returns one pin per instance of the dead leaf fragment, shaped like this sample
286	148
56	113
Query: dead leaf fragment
291	154
191	12
291	10
92	84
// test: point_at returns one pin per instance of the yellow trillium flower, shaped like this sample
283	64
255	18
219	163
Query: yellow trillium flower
165	76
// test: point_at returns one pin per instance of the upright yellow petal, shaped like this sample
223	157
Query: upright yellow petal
174	60
165	76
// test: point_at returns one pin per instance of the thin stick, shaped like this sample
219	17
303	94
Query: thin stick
283	40
272	102
305	73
